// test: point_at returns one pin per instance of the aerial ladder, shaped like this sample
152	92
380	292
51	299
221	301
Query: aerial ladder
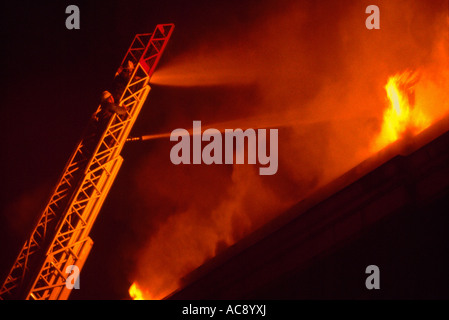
60	239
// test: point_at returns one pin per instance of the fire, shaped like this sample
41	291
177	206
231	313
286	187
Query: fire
402	117
135	292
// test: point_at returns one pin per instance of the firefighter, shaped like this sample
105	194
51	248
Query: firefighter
109	107
121	79
100	120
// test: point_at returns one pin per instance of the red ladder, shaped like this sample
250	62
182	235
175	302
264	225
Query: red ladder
61	236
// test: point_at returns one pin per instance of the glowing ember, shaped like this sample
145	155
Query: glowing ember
402	117
135	292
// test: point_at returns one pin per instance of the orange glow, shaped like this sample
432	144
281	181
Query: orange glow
402	117
332	108
135	292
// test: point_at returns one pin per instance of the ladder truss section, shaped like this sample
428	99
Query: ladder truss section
47	220
69	245
61	235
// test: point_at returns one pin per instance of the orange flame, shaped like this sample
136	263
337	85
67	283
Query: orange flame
135	292
402	117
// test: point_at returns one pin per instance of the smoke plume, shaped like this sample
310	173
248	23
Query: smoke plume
309	68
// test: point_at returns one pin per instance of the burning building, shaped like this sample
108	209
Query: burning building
362	141
355	128
390	211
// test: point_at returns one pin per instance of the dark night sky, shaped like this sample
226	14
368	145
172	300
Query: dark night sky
51	82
